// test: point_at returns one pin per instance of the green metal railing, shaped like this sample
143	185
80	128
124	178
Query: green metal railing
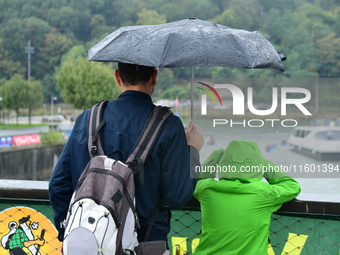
299	227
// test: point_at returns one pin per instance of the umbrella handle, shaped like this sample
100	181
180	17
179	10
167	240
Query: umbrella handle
192	94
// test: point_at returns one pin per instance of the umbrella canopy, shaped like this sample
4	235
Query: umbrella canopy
190	42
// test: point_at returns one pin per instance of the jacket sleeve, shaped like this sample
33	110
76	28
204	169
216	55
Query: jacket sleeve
283	188
178	178
60	189
212	160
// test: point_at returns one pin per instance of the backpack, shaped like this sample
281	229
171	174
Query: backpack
102	218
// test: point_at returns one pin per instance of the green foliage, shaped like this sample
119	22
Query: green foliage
327	52
74	52
84	83
148	17
13	42
52	138
34	96
177	92
19	126
49	88
7	65
98	27
15	93
15	35
2	83
55	45
165	80
176	9
243	14
19	93
71	22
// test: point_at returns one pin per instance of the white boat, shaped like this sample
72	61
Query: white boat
322	142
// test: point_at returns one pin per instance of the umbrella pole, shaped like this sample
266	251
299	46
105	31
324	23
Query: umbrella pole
192	94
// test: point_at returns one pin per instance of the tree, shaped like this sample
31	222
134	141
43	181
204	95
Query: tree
50	88
11	34
75	52
280	5
34	97
148	17
98	27
84	83
8	67
15	35
336	25
10	9
327	54
242	14
34	29
177	92
177	9
16	94
277	24
2	82
55	45
165	80
124	14
229	18
71	22
170	9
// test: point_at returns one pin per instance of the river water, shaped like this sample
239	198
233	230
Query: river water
322	183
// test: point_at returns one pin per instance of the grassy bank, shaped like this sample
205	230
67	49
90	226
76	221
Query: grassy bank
18	126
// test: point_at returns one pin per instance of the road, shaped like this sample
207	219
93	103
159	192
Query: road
64	125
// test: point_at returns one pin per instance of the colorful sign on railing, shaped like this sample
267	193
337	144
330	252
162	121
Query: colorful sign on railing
26	139
6	142
24	230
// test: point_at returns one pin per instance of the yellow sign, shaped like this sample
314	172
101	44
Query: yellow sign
25	231
294	245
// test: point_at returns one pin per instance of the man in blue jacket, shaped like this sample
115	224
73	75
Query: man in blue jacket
168	178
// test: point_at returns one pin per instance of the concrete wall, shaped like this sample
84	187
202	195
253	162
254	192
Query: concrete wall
34	163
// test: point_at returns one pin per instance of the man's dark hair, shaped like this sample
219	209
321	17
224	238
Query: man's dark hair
134	74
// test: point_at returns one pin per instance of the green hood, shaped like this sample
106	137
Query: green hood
241	160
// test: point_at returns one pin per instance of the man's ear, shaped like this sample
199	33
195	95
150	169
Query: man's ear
118	79
154	77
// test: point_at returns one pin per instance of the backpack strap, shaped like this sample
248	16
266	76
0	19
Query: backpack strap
152	220
96	122
147	140
143	148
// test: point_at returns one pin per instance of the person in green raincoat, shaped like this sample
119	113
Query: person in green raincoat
236	203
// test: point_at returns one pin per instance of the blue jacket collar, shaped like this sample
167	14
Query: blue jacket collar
135	94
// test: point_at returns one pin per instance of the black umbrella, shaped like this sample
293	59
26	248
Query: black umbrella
190	42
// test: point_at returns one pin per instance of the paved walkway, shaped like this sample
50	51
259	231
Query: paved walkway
64	125
24	131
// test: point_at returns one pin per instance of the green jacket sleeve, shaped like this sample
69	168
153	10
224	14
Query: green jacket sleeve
283	189
213	160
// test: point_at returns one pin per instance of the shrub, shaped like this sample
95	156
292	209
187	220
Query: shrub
52	138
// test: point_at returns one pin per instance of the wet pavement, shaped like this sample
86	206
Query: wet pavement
63	125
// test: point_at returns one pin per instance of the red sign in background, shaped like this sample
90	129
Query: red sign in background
26	139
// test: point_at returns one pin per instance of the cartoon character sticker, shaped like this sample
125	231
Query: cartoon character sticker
25	231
